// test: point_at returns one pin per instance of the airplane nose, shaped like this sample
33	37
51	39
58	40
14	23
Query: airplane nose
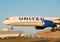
5	22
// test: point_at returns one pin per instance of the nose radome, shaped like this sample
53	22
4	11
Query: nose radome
5	22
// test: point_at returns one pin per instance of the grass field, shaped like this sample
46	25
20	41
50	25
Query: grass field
29	40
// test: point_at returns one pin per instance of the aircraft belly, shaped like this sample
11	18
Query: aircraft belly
27	24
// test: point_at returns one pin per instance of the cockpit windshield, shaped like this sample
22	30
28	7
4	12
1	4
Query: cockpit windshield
7	18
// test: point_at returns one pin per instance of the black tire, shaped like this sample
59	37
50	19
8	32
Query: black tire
58	29
53	30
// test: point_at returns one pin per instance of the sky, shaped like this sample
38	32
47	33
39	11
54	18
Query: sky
10	8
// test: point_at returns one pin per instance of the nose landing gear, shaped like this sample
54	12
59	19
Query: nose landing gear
11	28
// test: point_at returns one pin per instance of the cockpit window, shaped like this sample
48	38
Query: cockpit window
7	18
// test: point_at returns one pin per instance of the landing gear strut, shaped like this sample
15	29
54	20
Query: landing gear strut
53	30
11	28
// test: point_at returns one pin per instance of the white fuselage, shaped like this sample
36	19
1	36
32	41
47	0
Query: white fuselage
29	20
